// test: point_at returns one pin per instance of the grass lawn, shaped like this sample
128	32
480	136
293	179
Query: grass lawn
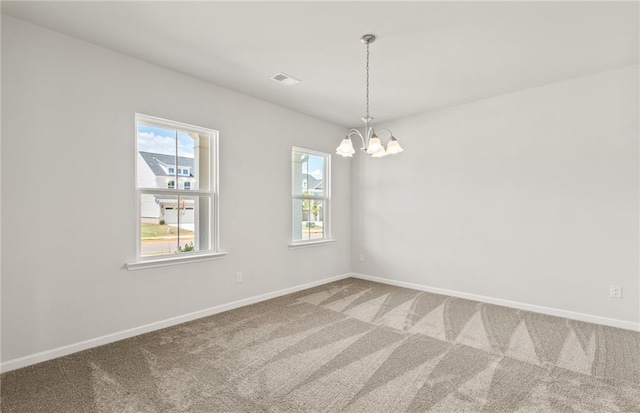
156	230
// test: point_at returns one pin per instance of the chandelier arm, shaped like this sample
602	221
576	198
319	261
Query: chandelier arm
370	132
385	130
356	132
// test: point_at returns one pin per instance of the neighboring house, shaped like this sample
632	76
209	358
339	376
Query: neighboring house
312	185
156	170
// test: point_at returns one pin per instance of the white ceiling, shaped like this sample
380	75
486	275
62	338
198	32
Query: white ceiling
428	55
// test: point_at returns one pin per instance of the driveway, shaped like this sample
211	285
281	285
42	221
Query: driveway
188	227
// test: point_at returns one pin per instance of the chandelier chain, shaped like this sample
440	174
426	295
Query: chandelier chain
367	80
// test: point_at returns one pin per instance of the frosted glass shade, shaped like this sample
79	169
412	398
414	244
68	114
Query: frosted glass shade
393	147
380	153
346	148
374	145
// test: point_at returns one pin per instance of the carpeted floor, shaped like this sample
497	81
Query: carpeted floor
348	346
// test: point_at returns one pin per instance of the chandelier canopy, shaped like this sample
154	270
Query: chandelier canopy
371	144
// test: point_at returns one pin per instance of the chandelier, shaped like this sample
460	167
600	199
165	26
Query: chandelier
371	144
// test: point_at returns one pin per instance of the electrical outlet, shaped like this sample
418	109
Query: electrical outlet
238	277
361	257
615	291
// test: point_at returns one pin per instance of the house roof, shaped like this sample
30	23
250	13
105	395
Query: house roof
155	159
313	183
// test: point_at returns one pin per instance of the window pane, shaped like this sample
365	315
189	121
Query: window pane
308	174
185	215
300	219
315	175
158	225
308	219
156	163
316	220
174	224
186	164
193	160
194	225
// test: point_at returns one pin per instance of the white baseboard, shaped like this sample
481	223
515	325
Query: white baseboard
121	335
627	325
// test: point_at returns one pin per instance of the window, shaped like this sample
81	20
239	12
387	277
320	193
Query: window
311	196
177	218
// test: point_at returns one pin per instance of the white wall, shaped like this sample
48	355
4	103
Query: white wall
530	197
68	115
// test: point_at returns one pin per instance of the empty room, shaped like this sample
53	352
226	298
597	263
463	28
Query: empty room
371	207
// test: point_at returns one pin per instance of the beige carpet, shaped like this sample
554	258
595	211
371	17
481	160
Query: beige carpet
348	346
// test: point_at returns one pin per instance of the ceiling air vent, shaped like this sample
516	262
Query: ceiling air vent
285	79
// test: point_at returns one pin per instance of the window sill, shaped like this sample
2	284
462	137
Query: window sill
164	262
297	245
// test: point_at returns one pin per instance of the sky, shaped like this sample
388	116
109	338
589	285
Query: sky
313	167
160	140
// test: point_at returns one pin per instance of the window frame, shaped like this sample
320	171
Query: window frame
212	193
326	199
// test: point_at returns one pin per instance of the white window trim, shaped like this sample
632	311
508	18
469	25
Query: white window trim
327	198
213	192
308	243
173	260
